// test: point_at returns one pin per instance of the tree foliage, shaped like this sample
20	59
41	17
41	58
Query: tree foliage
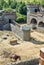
0	7
42	3
13	4
21	8
2	2
21	18
9	2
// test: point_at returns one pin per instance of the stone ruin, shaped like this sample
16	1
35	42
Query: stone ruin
6	18
35	18
7	22
35	15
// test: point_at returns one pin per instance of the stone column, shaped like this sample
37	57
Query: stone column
26	33
42	56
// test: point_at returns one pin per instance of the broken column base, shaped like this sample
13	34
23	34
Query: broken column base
26	33
41	57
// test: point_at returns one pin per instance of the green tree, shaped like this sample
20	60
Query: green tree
14	4
5	5
42	3
9	2
2	2
21	8
0	7
18	6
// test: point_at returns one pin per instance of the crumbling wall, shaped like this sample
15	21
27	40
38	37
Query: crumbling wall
16	29
23	32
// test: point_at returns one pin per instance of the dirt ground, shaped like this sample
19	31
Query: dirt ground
26	49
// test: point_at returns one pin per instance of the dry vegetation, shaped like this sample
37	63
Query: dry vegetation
26	49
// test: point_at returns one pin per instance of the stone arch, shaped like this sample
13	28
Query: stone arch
41	24
33	21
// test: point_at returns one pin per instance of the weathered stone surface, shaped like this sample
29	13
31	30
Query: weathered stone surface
37	16
26	62
5	19
6	53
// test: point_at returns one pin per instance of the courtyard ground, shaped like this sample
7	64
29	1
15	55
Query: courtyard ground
26	49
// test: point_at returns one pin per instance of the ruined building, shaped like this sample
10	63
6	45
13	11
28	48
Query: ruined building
7	22
35	15
6	18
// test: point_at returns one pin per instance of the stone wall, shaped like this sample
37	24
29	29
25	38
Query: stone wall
16	29
4	19
26	62
9	15
22	34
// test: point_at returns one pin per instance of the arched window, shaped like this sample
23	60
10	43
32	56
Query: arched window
33	21
36	10
41	24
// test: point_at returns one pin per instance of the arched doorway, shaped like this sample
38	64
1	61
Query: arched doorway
41	24
9	20
33	21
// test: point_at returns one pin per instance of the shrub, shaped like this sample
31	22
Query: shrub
0	7
21	8
21	20
13	5
5	5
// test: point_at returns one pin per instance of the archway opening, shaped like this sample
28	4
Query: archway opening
33	21
36	10
9	20
41	24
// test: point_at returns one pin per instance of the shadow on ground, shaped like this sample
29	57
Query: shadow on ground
34	41
14	44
